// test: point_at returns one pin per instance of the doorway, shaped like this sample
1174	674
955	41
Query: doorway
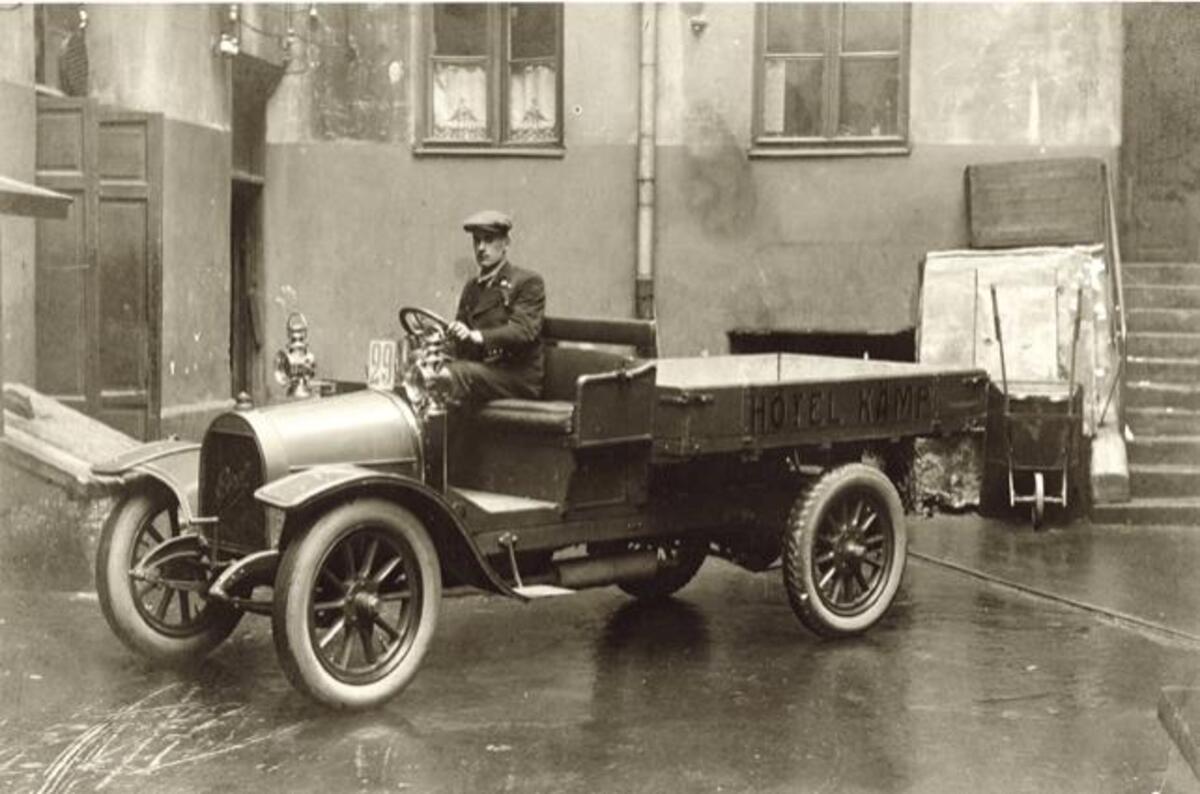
97	318
245	332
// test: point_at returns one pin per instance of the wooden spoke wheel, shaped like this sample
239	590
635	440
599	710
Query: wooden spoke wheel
164	615
356	604
845	551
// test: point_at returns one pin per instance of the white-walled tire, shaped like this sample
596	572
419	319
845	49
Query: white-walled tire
171	625
356	604
844	551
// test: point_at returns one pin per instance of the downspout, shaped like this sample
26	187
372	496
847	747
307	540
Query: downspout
648	108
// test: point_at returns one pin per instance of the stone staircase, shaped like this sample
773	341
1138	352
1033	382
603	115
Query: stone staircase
1162	394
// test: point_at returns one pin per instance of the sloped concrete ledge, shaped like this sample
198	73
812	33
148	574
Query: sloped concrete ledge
1109	471
1179	714
51	505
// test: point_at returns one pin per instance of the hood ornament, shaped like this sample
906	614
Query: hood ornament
295	366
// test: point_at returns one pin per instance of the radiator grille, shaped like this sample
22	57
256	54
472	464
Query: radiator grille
231	470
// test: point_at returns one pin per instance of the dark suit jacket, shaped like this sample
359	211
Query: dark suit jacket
508	313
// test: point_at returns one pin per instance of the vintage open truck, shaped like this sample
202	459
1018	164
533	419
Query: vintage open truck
343	516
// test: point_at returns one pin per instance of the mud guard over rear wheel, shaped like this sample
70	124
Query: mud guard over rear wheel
844	550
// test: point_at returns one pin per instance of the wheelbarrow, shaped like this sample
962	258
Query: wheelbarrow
1041	425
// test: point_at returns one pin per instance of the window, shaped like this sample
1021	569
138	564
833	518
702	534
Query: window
832	76
61	49
493	76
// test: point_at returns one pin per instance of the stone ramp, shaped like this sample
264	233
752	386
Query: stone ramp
51	505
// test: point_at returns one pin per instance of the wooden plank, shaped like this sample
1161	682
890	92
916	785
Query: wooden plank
1036	202
946	318
1029	322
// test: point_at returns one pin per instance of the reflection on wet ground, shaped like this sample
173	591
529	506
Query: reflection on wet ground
963	687
1146	573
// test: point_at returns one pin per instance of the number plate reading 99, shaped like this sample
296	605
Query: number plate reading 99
381	364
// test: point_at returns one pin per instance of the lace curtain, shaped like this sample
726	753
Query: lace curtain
533	102
460	102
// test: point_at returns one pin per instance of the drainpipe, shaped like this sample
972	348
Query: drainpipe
644	283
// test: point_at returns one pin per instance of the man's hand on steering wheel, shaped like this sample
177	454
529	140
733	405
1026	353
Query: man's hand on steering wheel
460	332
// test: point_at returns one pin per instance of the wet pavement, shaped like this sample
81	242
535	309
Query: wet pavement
964	686
1146	574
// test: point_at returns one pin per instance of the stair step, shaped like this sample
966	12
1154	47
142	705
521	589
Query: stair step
1157	450
1160	345
1150	512
1161	273
1162	421
1172	320
1164	480
1169	296
1163	370
1143	394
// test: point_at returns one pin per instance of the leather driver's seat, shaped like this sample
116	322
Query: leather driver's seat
566	386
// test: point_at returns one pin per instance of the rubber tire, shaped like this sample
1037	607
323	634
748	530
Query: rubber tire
113	561
803	522
670	580
1037	509
294	586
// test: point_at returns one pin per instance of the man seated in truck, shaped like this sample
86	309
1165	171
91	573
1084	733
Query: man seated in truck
498	326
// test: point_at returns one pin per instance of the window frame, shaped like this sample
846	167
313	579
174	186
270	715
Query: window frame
498	59
829	143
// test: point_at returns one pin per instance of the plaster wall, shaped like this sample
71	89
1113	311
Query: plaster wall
159	58
356	229
823	243
354	232
17	134
195	288
835	243
1161	154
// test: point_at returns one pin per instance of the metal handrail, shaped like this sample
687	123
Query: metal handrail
1118	331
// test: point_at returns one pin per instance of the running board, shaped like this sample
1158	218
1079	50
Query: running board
501	503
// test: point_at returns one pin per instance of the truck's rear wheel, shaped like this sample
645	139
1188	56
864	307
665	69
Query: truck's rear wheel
167	618
356	604
845	550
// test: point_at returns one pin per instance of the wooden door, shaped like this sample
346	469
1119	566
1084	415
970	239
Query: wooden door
99	272
65	279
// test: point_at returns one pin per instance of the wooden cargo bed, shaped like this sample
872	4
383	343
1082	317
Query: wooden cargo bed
747	402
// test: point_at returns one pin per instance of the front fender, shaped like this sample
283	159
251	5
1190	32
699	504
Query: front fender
174	463
313	487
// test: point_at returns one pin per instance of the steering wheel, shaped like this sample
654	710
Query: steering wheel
423	323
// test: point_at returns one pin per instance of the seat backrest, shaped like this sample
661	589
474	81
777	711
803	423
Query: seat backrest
641	335
564	365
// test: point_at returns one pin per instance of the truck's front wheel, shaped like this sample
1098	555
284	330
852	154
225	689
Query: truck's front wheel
356	604
165	616
844	550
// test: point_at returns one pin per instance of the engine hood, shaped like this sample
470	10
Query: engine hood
369	428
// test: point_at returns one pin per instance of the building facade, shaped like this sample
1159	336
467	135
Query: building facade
721	166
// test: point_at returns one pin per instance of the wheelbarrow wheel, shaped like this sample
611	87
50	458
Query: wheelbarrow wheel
1038	508
844	551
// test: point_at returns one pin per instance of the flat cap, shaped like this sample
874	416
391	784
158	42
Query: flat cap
492	221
